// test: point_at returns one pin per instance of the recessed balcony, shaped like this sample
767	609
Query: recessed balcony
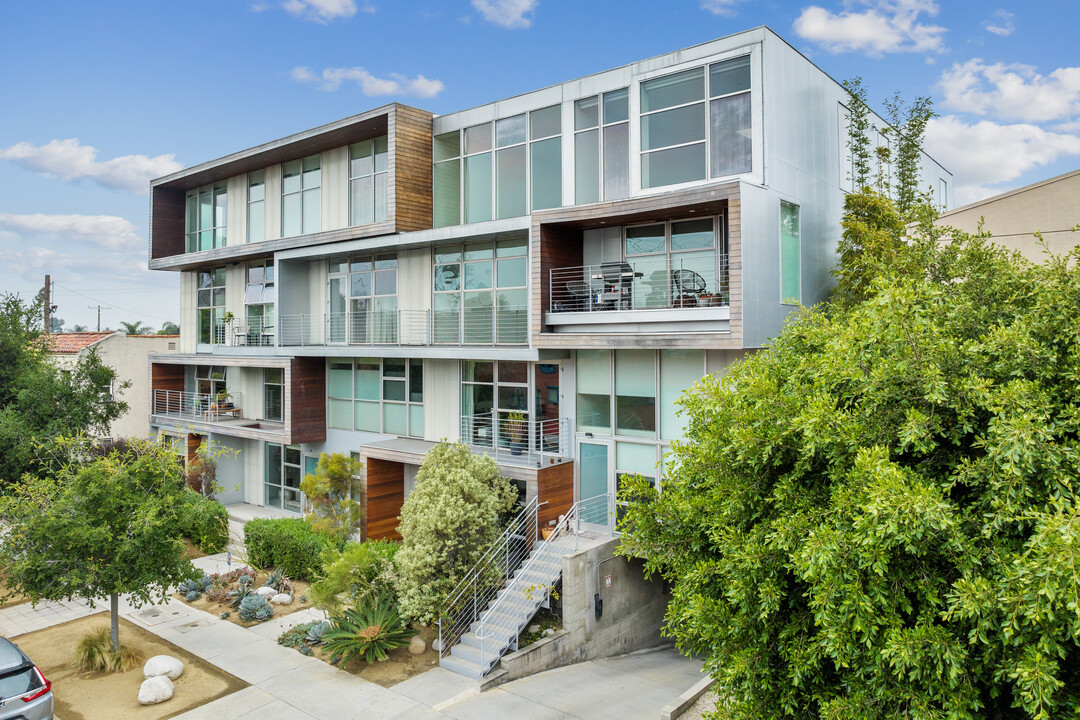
518	440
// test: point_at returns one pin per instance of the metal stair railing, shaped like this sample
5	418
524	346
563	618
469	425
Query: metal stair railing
490	573
590	510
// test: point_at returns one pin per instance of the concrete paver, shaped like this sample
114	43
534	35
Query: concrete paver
230	706
436	687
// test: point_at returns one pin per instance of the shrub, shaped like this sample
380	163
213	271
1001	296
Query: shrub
287	543
369	630
205	522
359	571
447	522
330	491
94	653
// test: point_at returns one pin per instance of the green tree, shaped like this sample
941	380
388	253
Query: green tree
100	528
447	522
169	328
78	328
330	490
40	401
135	328
877	517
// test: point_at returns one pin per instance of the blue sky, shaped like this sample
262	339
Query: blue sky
98	98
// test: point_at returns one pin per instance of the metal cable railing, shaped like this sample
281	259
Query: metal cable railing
197	406
490	574
643	283
516	440
484	325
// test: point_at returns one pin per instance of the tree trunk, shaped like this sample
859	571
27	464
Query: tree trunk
114	610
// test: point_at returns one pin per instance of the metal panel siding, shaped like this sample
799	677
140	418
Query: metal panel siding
272	204
442	399
414	279
236	213
189	319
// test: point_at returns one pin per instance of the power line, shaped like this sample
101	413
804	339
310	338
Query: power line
115	307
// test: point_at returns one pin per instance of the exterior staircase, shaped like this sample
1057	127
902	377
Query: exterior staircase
499	597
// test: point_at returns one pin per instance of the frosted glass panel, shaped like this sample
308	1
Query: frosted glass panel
363	212
789	252
510	131
635	393
616	106
670	167
367	416
447	145
341	379
256	222
679	369
312	210
510	169
594	470
732	135
594	391
395	419
367	380
341	412
586	113
478	188
416	420
478	139
546	173
587	167
447	193
635	458
616	161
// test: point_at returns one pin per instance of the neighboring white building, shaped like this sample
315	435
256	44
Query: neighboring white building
541	276
128	355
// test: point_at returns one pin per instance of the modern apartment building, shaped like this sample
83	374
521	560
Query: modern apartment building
540	277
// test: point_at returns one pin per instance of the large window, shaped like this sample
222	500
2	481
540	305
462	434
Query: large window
281	488
301	197
680	132
273	394
363	306
480	293
259	296
210	305
373	395
490	393
256	216
602	147
677	262
447	179
478	180
367	181
510	167
594	391
207	210
790	254
210	380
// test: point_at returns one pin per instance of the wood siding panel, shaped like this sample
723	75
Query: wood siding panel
192	448
166	222
555	486
560	247
307	394
383	498
410	153
166	377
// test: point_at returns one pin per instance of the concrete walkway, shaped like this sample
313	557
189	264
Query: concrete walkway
285	685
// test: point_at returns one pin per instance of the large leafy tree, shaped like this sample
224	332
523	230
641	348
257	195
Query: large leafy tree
101	527
877	517
40	400
447	522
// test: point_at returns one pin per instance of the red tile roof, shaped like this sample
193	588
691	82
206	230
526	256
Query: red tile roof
71	343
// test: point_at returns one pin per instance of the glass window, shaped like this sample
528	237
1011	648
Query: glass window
644	239
546	168
672	90
586	113
731	137
790	251
679	369
367	181
673	166
587	167
510	131
447	146
205	217
616	106
385	395
273	393
447	179
692	234
478	139
635	393
464	308
510	176
256	229
260	294
545	122
594	391
478	188
730	76
210	305
301	196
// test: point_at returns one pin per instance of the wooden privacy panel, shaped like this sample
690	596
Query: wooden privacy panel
555	486
383	499
307	393
411	157
167	222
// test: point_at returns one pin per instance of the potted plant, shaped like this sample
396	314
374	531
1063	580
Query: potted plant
517	431
226	322
222	399
707	300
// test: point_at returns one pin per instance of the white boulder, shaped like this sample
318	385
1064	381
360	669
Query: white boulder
417	646
266	591
436	645
155	690
549	632
534	628
165	665
281	599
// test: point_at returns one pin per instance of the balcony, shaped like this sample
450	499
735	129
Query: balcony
648	294
197	407
515	441
502	325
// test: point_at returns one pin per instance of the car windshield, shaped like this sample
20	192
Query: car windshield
18	682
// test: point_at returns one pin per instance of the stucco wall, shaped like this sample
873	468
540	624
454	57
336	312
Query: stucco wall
129	357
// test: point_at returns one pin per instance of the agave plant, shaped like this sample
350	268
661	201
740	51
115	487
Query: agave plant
192	595
241	593
316	632
255	607
279	582
369	630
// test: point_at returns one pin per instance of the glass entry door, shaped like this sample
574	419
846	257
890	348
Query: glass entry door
595	483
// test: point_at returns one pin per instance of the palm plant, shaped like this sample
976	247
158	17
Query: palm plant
369	630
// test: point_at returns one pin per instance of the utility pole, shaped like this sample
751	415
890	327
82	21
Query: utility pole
48	306
99	309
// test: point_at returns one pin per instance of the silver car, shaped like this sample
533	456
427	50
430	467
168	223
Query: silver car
25	694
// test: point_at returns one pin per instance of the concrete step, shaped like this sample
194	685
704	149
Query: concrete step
462	667
472	654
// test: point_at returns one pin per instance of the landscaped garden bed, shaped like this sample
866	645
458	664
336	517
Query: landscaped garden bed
114	696
223	595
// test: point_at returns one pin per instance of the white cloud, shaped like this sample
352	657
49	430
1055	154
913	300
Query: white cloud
1016	92
330	79
885	26
724	8
107	232
323	11
999	23
507	13
69	160
988	153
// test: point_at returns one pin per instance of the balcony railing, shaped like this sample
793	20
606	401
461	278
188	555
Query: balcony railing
499	325
201	407
648	283
516	441
256	332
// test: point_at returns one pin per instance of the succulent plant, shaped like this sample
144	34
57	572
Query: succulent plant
192	595
225	615
315	633
244	580
279	582
255	607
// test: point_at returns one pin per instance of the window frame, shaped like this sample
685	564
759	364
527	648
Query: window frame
375	174
218	232
408	403
462	334
256	206
784	298
216	325
302	192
